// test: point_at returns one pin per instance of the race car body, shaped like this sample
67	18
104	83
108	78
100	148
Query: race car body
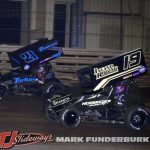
32	69
111	95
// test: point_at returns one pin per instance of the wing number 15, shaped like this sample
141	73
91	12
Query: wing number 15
132	60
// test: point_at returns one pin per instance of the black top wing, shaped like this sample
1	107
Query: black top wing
127	65
35	54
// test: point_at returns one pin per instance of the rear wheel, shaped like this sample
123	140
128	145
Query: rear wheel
52	91
3	91
137	117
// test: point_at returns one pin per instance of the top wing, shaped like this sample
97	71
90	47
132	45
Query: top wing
35	54
124	66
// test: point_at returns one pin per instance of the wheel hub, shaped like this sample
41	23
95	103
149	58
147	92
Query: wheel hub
71	118
137	118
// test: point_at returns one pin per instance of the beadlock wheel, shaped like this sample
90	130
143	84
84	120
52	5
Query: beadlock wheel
70	117
137	117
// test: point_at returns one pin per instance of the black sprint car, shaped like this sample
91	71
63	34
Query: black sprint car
108	94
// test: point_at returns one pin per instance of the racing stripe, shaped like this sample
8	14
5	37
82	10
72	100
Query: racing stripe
103	83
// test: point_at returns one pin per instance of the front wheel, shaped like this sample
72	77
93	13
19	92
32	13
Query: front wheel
70	117
137	117
51	115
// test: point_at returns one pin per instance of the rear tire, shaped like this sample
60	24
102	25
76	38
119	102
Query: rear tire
51	91
137	117
4	91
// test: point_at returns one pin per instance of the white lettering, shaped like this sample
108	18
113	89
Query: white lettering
105	71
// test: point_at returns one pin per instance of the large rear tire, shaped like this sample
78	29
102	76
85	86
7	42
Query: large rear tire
4	91
51	91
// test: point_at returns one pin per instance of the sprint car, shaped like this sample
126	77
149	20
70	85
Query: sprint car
32	71
107	94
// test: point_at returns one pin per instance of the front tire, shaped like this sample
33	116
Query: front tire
51	115
137	117
70	117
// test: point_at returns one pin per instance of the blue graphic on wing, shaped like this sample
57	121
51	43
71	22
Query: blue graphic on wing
15	60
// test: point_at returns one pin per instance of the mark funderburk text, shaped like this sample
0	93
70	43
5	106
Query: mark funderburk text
105	71
102	139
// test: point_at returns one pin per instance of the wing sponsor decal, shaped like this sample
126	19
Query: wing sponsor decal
131	65
47	46
105	81
105	71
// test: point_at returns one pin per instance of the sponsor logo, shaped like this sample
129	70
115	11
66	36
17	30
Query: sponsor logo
135	74
105	71
128	76
96	103
11	139
142	69
50	45
94	96
120	89
52	57
26	67
24	80
61	101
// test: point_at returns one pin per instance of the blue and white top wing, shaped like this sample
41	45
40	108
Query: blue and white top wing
35	54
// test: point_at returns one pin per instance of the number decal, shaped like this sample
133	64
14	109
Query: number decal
132	60
126	62
28	56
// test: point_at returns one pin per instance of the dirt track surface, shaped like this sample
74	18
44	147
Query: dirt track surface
25	114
